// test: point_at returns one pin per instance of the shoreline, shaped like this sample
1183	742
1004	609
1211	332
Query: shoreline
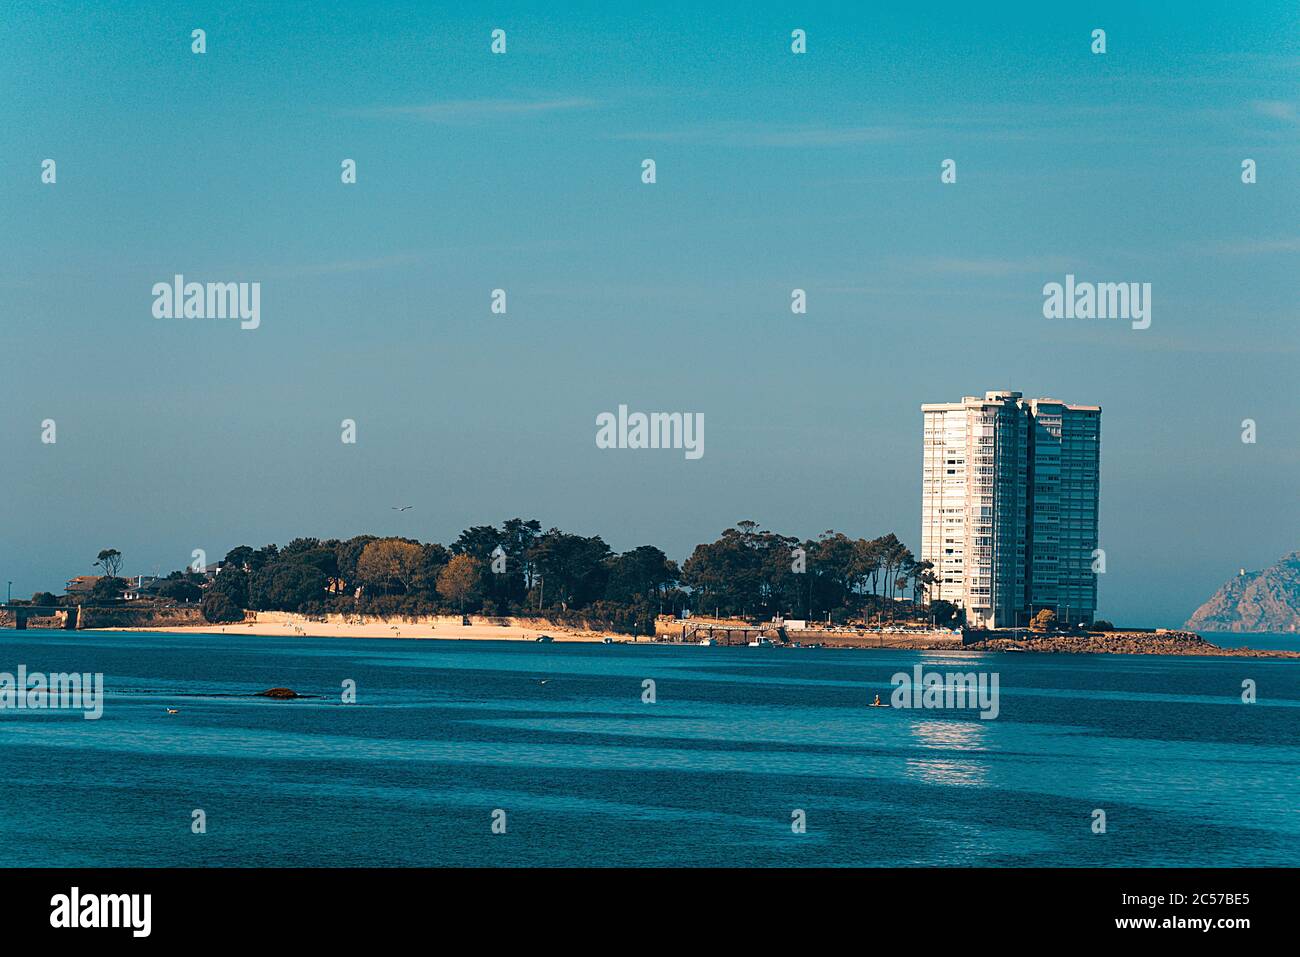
1173	644
414	631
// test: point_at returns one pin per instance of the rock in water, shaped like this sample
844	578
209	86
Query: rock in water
1267	600
279	693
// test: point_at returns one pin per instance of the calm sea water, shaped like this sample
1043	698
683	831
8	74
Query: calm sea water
444	733
1289	641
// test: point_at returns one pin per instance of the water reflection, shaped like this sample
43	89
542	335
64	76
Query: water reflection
949	735
947	771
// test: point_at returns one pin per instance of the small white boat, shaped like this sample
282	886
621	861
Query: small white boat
707	642
760	643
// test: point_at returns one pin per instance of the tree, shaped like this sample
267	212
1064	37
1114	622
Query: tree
285	586
727	574
477	541
835	560
506	582
751	572
44	598
433	559
922	576
319	557
481	543
946	614
641	574
390	560
180	589
1044	620
894	557
748	571
241	557
110	559
109	588
218	607
233	583
519	537
573	568
187	574
347	554
459	580
263	556
299	545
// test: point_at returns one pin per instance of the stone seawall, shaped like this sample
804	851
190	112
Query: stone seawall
59	620
918	640
142	618
693	630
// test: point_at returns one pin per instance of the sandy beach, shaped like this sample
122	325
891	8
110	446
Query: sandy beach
286	625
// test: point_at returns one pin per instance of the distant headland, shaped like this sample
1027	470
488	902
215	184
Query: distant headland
1261	601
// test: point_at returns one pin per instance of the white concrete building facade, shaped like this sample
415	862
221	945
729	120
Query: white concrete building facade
1009	506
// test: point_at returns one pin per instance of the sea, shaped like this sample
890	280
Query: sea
520	754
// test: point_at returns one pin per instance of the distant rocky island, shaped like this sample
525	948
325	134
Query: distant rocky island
1267	600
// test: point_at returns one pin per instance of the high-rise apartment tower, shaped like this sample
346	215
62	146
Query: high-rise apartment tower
1009	507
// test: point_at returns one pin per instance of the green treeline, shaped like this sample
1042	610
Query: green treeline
518	569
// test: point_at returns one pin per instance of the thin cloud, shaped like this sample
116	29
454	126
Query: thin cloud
1251	247
414	257
1277	109
766	135
460	111
994	267
345	266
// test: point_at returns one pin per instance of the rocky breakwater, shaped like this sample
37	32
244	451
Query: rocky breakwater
1123	643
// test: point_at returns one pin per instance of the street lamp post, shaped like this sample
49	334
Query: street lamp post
9	597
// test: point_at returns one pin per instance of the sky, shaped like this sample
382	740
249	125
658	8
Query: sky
522	171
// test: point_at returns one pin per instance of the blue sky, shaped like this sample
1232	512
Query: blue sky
522	171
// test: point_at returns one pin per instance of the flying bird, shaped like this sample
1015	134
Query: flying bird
542	681
402	509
